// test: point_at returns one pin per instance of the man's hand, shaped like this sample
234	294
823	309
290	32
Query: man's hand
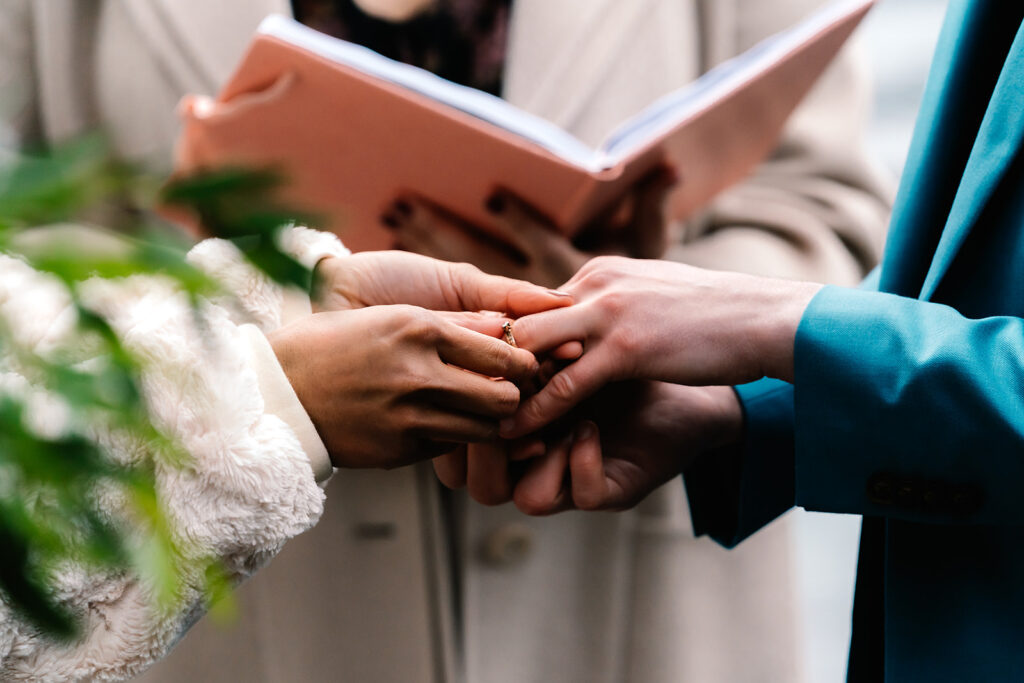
664	321
395	277
388	385
649	433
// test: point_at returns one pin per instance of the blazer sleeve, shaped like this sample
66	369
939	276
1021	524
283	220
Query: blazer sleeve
818	207
908	409
901	408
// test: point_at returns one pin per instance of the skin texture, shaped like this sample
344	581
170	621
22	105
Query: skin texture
649	432
386	381
646	397
524	245
663	321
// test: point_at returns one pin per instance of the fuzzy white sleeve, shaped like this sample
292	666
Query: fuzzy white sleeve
247	488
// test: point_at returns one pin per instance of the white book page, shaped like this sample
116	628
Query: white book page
672	109
482	105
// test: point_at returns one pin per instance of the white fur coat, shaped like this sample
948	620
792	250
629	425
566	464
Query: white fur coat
250	484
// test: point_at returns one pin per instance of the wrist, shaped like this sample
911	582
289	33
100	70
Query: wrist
781	307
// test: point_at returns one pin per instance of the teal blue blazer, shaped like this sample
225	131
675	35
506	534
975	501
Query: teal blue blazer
907	405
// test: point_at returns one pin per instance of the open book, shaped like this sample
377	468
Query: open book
353	130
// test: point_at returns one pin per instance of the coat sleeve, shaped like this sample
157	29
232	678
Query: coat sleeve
248	487
901	408
817	208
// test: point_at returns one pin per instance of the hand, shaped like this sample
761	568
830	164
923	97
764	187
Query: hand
664	321
649	433
395	277
523	244
382	387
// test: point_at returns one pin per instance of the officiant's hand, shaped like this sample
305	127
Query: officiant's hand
525	245
395	277
390	385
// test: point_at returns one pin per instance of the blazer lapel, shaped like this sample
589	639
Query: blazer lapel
998	143
200	41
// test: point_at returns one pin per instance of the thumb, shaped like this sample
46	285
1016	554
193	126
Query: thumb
478	291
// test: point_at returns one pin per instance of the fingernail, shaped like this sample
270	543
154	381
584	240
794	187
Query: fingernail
496	203
585	431
506	426
555	292
389	220
403	207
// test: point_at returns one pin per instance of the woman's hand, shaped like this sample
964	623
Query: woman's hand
394	277
388	385
665	321
525	245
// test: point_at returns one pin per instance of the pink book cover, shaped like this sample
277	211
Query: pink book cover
351	131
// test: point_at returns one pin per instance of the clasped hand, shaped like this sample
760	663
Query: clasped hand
661	341
390	372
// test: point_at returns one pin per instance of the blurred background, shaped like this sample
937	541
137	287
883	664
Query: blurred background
900	36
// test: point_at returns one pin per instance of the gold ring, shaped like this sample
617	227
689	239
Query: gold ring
510	338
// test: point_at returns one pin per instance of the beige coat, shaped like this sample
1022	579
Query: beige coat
368	595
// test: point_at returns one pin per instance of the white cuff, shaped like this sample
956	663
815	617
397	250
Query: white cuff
308	246
280	400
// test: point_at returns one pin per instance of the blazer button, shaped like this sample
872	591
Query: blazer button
935	498
881	489
907	494
507	545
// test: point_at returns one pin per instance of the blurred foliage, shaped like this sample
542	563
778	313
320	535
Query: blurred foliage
50	516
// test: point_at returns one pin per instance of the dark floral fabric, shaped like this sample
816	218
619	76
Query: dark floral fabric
461	40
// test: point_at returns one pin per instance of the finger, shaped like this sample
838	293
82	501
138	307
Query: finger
485	355
452	239
475	394
590	490
553	329
451	427
649	228
526	449
487	478
569	387
568	351
451	468
485	322
478	291
416	230
519	224
543	489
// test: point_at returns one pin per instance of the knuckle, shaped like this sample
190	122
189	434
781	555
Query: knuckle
532	504
506	399
626	342
614	303
419	323
562	387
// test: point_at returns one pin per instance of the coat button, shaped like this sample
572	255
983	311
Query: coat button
881	489
506	545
